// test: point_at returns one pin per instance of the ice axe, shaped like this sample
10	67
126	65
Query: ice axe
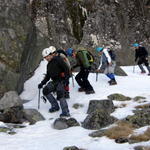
96	76
39	99
72	79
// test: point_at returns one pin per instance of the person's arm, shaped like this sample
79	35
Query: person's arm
145	52
105	51
100	64
64	67
45	80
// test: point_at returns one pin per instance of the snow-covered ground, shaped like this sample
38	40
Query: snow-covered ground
42	136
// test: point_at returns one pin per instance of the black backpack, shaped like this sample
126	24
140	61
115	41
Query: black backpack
112	54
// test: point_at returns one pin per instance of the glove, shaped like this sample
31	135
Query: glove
97	70
62	74
40	85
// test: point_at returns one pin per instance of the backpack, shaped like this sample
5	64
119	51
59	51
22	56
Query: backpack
112	54
63	55
85	58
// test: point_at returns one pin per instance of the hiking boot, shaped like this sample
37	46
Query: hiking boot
53	109
65	114
90	92
109	81
81	89
143	71
112	82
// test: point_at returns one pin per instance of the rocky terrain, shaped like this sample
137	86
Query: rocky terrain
28	26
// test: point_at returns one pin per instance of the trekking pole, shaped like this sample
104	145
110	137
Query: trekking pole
96	76
134	69
72	80
39	99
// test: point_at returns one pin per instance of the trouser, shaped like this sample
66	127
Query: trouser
66	86
143	60
109	71
59	88
82	79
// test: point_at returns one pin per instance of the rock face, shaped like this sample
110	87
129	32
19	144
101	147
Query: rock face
29	26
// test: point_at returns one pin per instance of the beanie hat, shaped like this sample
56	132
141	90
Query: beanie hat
99	49
69	51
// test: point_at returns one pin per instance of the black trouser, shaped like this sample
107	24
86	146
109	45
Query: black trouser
82	79
143	60
59	88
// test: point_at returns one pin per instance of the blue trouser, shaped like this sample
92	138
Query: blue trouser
111	76
59	88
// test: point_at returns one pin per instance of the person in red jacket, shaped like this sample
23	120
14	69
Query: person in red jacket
58	72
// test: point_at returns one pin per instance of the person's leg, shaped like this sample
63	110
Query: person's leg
140	62
66	87
79	80
88	87
60	95
47	92
110	74
147	66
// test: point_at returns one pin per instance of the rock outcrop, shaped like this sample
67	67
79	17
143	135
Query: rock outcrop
29	26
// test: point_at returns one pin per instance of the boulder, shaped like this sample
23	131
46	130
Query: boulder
97	120
105	104
141	118
12	115
10	99
71	148
63	123
32	115
98	133
118	97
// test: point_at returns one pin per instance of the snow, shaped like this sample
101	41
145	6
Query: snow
42	135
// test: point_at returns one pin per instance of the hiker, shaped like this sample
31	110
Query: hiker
107	63
82	76
141	57
58	72
62	53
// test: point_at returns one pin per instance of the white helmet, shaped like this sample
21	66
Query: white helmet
46	52
52	48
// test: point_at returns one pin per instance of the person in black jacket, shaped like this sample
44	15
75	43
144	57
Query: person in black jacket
63	55
58	72
141	56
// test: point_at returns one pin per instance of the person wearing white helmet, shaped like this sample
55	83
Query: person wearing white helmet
46	52
58	72
52	48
